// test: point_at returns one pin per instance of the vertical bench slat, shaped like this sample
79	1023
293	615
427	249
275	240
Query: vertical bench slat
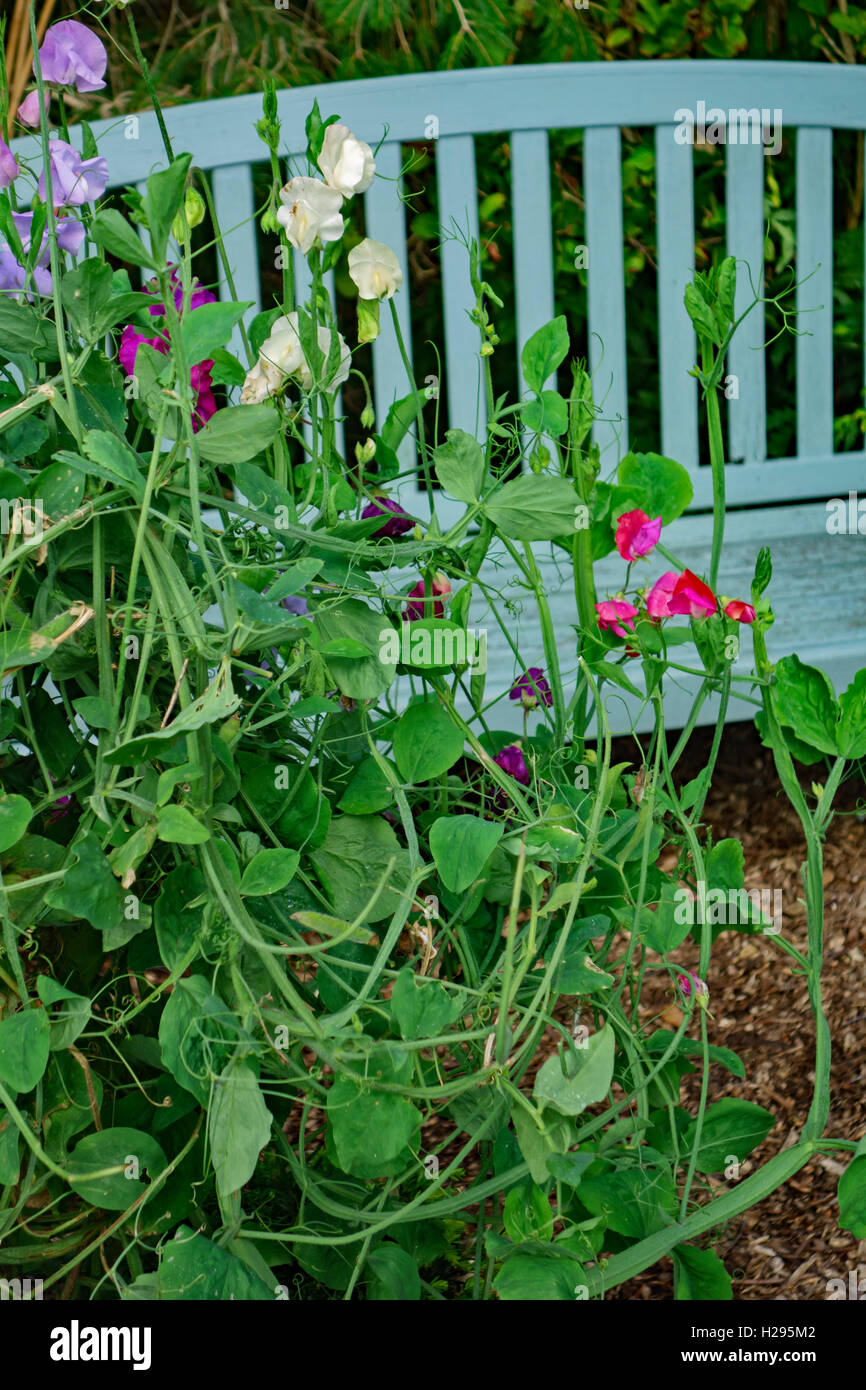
815	254
533	245
458	204
675	219
386	222
602	171
233	202
144	234
747	413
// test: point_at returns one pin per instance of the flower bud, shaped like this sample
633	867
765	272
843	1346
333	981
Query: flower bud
366	452
368	418
193	210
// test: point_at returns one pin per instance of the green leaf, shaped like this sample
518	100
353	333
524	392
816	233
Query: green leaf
701	315
177	925
90	890
368	790
24	1044
15	816
85	290
396	1278
699	1275
165	191
580	1077
351	861
400	418
804	701
535	507
727	289
459	466
547	414
662	485
370	1129
852	1198
539	1277
461	846
543	352
71	1019
94	711
368	320
635	1201
360	680
240	1126
194	1269
427	742
209	327
269	871
732	1128
527	1214
192	1024
111	230
10	1162
851	730
237	433
217	704
116	460
420	1007
177	826
665	933
135	1152
763	573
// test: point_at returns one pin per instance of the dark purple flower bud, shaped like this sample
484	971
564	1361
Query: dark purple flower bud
511	760
396	524
531	687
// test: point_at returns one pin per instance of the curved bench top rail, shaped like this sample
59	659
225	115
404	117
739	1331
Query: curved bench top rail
447	108
548	96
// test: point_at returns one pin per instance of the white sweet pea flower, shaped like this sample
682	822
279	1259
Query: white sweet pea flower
281	356
310	212
256	387
346	162
375	269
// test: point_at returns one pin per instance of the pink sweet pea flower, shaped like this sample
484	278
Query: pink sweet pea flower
419	605
72	55
397	524
29	113
74	180
740	612
691	595
8	165
658	598
613	612
636	534
690	986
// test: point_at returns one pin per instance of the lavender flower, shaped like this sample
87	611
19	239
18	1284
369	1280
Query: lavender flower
72	55
8	165
74	180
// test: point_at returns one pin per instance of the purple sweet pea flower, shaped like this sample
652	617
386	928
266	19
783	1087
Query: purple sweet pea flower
72	55
74	180
297	604
397	524
9	169
70	235
511	760
198	296
29	113
531	687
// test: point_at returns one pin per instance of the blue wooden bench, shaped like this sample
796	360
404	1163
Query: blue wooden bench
820	578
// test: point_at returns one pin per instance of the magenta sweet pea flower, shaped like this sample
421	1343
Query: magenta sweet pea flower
200	373
511	760
658	598
72	56
417	607
198	295
613	612
28	112
693	988
73	180
691	595
397	524
531	687
205	401
636	534
740	612
9	169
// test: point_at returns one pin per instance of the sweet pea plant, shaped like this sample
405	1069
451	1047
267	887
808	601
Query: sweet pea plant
282	933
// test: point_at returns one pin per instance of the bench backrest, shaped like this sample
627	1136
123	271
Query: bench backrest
447	108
